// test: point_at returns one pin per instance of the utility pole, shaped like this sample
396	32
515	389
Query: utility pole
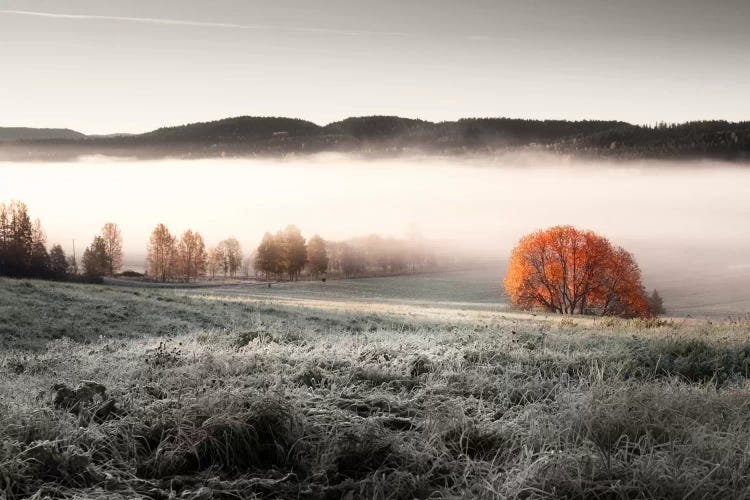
75	262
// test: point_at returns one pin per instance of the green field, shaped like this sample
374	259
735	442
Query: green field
703	293
476	288
377	388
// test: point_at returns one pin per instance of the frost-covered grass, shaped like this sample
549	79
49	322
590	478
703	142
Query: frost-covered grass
474	288
216	396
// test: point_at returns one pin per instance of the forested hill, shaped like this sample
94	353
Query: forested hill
37	134
391	135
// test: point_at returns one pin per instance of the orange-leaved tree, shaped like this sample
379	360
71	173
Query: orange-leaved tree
569	271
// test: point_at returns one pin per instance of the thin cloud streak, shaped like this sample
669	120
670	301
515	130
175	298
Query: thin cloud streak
202	24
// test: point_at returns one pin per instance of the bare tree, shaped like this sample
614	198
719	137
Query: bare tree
113	244
656	303
39	258
58	264
352	260
231	255
192	255
267	256
317	255
293	250
248	266
162	254
215	261
95	261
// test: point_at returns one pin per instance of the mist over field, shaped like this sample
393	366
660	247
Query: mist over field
685	223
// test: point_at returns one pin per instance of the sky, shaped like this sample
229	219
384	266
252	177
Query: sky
101	66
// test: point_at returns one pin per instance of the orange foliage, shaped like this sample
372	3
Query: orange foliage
569	271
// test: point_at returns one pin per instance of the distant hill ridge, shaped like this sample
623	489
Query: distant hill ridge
38	134
273	136
379	128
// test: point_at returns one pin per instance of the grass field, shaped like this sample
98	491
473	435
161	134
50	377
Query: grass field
369	390
714	292
482	286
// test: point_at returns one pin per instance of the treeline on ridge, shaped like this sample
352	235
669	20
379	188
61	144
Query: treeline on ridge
384	135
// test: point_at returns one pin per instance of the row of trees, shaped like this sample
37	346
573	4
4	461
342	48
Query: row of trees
283	255
186	258
561	269
286	253
377	255
24	254
23	246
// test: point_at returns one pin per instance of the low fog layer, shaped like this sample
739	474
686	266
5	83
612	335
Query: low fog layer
685	219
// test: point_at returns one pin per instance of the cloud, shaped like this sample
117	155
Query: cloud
202	24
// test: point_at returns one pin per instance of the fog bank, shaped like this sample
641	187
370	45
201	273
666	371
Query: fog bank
675	218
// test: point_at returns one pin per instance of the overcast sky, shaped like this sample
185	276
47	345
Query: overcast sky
102	66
